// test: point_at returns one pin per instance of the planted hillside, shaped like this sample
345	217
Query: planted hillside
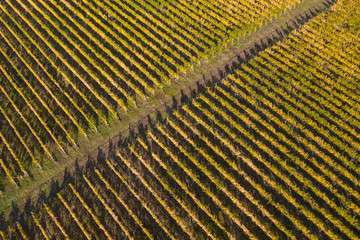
68	67
269	152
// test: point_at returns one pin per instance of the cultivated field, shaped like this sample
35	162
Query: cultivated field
268	152
68	67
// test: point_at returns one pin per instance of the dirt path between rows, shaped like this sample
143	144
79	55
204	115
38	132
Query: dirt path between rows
185	86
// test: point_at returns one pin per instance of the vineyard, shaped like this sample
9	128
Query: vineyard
68	67
271	151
